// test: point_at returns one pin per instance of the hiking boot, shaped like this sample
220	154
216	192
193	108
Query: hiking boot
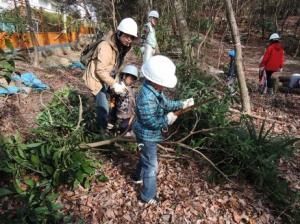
135	179
153	201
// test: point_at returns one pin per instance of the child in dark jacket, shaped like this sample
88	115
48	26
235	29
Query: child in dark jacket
125	104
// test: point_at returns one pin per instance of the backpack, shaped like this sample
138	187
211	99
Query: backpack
87	53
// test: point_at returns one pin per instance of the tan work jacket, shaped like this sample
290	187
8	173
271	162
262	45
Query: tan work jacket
102	67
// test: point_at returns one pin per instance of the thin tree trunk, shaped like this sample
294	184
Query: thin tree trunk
262	20
114	20
32	34
183	30
239	59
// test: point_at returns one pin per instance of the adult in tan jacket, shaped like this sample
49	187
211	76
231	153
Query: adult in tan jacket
107	60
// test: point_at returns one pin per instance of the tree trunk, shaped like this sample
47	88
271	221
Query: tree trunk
32	34
183	30
239	59
262	16
114	20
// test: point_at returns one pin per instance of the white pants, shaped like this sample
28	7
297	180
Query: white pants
147	52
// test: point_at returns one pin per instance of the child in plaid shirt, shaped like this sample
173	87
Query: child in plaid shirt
154	112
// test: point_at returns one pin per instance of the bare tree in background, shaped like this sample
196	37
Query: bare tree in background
239	59
32	34
183	30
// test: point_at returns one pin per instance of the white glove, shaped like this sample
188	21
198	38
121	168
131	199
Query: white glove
188	103
119	89
280	70
171	118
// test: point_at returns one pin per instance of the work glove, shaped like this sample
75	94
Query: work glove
119	89
188	103
171	118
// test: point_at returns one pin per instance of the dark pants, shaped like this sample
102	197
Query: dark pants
269	79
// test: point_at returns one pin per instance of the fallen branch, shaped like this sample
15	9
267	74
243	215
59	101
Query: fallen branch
255	116
106	142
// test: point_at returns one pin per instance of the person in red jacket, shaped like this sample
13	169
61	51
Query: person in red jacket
272	60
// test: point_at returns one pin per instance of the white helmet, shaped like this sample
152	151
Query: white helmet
130	69
274	36
128	26
160	70
154	14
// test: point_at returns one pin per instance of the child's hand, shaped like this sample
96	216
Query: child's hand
171	118
188	103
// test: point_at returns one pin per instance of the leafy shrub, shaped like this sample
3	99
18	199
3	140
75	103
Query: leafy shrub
7	60
238	148
38	166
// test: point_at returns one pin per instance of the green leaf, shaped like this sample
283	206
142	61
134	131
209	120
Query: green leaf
49	169
42	210
4	192
21	153
29	182
88	169
87	184
34	145
79	176
103	178
35	160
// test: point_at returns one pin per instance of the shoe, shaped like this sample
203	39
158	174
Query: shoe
270	91
153	201
136	180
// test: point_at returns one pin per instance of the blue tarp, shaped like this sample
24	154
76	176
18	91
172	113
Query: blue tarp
77	64
28	79
9	90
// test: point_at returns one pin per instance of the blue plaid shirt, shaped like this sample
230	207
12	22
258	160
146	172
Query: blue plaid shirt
151	111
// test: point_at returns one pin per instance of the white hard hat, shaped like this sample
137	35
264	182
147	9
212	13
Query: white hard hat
154	14
128	26
274	36
160	70
130	69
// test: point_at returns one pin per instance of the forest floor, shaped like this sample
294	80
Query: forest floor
186	194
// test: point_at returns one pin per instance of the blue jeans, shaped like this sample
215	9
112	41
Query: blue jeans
147	169
102	108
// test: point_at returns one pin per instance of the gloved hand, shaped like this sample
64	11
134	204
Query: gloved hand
119	89
280	70
188	103
171	118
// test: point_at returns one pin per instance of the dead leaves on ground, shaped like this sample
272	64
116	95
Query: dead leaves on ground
185	198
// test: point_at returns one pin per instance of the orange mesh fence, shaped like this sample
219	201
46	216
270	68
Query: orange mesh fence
50	38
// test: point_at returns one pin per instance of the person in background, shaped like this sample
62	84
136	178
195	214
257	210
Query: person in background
149	42
154	112
108	57
273	60
231	75
125	104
